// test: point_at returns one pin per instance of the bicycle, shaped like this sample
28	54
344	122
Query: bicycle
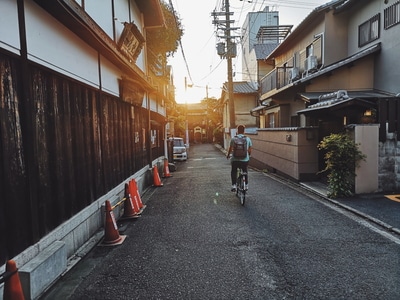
240	186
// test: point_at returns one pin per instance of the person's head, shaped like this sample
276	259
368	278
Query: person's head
240	129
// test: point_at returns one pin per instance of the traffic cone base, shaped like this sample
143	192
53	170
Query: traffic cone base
156	177
119	241
12	286
111	233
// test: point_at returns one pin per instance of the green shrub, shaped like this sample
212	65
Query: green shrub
342	157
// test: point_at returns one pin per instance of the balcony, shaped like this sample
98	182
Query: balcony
278	78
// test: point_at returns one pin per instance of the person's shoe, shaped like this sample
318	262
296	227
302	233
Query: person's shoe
246	187
233	188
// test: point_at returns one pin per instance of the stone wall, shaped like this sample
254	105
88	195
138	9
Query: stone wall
389	161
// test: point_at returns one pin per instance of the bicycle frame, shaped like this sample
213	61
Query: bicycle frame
240	186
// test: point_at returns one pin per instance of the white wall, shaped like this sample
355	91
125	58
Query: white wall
101	13
55	46
9	35
121	14
109	76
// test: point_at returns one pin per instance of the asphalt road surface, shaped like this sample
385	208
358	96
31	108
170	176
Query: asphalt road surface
195	241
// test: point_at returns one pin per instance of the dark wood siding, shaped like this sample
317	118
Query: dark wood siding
80	142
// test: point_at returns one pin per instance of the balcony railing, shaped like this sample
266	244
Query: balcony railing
277	78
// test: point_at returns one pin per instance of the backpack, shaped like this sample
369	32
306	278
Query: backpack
240	147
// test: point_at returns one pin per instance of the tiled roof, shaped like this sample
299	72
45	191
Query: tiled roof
243	87
263	50
342	99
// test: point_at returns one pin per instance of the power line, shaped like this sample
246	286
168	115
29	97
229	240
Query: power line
180	43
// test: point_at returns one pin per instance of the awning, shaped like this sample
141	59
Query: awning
335	105
256	111
313	97
342	101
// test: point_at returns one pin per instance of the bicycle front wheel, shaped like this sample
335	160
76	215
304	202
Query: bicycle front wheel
242	196
238	186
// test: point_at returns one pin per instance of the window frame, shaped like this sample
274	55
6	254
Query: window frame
369	31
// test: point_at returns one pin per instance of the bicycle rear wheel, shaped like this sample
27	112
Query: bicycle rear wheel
242	195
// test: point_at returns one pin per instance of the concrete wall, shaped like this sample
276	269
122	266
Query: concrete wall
366	137
72	238
290	151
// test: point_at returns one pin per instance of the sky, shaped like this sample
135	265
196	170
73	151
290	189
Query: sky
197	60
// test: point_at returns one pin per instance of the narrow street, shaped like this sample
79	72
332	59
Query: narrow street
195	241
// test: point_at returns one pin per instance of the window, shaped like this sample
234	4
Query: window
392	15
310	50
271	120
369	31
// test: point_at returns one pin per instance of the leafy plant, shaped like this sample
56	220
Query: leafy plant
163	42
342	157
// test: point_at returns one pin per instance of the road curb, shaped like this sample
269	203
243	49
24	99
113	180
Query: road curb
368	217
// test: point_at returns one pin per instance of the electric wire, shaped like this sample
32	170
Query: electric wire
276	3
180	44
241	10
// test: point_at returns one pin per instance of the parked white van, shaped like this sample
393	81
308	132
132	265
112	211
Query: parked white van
180	150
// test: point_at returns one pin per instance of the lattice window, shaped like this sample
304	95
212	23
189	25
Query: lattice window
392	15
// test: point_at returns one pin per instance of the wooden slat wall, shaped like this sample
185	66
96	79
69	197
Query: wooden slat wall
82	143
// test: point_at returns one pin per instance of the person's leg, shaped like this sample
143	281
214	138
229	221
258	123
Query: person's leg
244	168
234	172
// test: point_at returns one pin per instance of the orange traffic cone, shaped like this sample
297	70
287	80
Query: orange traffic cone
166	169
111	233
12	286
137	194
129	208
156	177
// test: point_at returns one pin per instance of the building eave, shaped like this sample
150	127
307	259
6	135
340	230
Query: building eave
72	16
153	15
317	14
326	70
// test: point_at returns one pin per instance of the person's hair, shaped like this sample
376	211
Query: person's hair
240	129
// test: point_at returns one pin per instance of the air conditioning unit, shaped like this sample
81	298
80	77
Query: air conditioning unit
294	74
310	63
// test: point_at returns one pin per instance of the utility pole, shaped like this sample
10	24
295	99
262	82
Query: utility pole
229	46
186	118
228	52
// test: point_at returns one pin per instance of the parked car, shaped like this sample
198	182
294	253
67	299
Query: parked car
179	150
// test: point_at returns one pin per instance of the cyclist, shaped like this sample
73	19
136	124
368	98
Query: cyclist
239	162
